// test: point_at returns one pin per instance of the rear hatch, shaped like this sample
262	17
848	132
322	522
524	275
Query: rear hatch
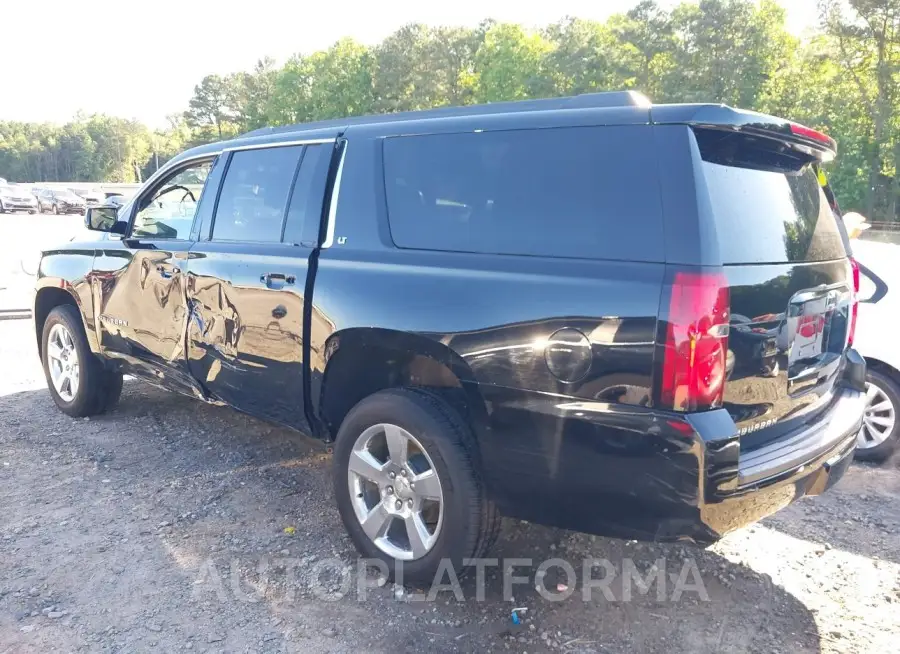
789	279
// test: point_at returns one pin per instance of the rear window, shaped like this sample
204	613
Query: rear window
767	205
587	192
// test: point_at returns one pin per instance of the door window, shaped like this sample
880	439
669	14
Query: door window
309	192
169	211
255	194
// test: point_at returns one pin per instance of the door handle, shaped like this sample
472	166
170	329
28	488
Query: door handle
167	273
277	280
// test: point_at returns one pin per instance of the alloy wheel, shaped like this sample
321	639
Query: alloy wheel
879	418
62	361
396	492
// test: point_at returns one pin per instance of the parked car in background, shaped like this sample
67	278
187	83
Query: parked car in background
58	202
91	197
115	199
876	279
877	340
17	198
516	308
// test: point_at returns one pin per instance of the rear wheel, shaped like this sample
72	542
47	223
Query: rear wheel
78	381
880	432
407	485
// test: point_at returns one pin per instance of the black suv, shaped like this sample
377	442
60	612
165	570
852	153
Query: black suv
588	312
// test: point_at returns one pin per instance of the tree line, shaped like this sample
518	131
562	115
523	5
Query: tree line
843	78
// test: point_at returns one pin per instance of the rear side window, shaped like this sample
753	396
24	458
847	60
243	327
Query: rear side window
767	206
308	194
255	193
585	192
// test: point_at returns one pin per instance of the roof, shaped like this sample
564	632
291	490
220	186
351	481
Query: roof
333	127
621	107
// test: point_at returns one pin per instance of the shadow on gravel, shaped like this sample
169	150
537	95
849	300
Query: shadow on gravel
222	529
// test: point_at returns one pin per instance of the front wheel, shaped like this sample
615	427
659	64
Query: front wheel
407	485
880	432
79	383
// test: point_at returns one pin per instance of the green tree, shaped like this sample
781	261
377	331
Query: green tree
586	57
724	51
510	65
867	45
214	106
341	81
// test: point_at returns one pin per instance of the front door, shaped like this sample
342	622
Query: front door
247	278
139	281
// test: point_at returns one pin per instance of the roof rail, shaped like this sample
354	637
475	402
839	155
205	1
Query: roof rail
601	100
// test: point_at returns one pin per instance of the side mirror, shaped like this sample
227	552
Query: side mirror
103	219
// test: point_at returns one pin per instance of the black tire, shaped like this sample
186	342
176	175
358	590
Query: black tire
890	387
99	388
470	520
55	210
2	208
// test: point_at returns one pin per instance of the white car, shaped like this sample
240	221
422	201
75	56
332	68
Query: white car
91	197
878	340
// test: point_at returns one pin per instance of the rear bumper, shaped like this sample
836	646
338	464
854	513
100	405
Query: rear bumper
637	473
804	463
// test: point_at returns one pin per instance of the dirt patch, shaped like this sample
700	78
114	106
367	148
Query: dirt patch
173	525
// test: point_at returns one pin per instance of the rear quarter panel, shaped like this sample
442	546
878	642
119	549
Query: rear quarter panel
496	315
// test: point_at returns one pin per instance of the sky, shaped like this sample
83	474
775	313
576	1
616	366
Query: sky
142	59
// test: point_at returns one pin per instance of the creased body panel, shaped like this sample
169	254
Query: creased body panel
245	334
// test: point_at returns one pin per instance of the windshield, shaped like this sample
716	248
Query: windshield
67	195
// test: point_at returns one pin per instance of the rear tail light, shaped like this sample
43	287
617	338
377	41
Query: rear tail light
695	353
854	306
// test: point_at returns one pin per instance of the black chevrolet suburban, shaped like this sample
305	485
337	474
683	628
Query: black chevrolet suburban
592	312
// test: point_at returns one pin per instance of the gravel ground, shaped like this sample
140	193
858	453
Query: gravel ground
153	527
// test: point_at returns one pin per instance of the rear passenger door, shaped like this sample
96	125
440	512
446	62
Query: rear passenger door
247	275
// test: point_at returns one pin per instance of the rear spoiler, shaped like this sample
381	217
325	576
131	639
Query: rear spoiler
716	116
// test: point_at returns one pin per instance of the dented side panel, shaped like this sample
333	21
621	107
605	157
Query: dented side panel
141	309
245	327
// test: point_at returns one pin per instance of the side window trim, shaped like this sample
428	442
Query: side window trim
293	187
215	208
211	193
158	184
333	191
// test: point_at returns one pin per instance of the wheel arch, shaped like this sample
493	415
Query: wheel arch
885	369
362	361
51	294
